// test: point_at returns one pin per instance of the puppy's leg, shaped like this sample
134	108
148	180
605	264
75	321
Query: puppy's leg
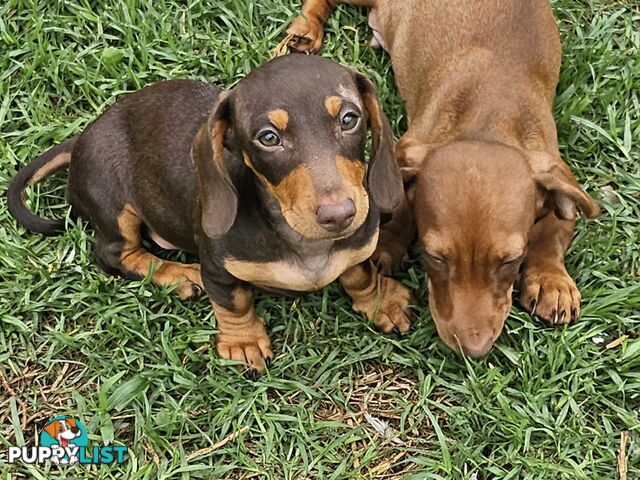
241	332
120	250
307	28
546	288
395	237
397	233
384	300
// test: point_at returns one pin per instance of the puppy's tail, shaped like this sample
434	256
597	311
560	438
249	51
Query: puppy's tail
44	165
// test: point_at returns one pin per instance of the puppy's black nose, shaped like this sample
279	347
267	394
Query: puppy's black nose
335	217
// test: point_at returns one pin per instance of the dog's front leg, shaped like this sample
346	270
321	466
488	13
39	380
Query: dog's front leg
384	300
241	333
307	29
546	289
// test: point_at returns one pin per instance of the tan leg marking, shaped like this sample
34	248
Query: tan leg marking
136	260
279	118
384	300
241	333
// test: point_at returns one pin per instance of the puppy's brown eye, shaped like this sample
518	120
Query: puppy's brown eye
349	121
269	139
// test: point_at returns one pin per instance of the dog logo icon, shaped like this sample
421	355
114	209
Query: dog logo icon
66	433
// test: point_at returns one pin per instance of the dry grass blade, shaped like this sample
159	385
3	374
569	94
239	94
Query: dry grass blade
282	48
617	342
622	456
207	450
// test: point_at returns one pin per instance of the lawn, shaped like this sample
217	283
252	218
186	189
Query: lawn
139	366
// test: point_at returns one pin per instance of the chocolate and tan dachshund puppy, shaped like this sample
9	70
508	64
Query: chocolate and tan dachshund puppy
266	183
488	190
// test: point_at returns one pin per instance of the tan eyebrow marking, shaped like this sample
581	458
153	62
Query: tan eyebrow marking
333	105
279	118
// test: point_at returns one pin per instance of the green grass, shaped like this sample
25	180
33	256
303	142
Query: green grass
139	366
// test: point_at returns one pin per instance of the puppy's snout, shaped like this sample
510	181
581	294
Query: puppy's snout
335	217
476	344
75	430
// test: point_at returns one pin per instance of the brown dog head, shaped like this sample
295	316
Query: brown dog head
298	125
475	204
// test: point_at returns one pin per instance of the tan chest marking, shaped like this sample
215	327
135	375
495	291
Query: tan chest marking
300	275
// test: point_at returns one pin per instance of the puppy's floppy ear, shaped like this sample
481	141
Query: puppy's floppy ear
385	182
555	177
52	429
218	196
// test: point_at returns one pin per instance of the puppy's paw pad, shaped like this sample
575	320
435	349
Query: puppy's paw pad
394	312
551	295
189	291
189	281
397	322
254	351
306	35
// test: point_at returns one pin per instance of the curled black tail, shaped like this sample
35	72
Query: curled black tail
43	166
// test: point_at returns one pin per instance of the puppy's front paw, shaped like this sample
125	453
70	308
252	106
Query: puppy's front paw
393	314
189	281
551	294
306	34
389	310
250	345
